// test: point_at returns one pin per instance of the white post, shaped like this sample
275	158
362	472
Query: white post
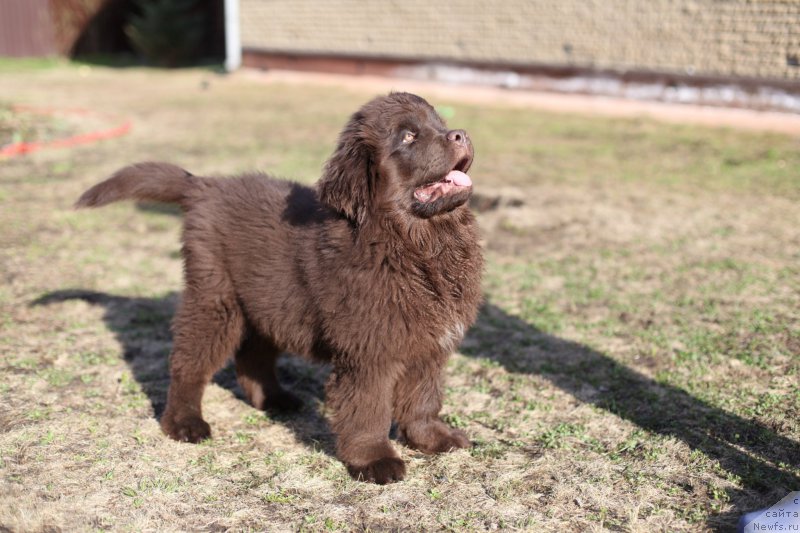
233	41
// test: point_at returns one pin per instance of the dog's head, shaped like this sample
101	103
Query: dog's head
397	154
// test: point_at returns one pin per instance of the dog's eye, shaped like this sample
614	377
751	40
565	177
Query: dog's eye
409	137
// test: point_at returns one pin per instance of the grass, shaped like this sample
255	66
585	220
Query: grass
635	366
29	64
19	126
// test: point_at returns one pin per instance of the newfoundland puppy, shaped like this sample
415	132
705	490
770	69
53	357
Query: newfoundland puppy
376	269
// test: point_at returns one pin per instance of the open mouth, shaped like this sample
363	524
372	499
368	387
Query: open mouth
455	181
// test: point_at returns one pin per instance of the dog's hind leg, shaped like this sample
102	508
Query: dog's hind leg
255	370
207	329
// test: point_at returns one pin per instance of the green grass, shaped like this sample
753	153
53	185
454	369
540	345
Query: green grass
16	65
630	152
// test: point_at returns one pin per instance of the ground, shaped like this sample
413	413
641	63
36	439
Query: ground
634	367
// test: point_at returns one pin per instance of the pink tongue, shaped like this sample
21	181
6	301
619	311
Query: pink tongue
459	178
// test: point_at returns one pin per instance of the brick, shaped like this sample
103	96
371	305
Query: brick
735	37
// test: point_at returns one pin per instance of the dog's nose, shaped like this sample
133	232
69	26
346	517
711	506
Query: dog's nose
457	136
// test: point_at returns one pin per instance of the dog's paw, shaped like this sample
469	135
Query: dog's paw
434	437
381	471
188	429
283	401
454	440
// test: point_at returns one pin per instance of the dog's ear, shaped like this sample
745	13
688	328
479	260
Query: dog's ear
348	176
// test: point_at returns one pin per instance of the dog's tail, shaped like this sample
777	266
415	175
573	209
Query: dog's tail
158	182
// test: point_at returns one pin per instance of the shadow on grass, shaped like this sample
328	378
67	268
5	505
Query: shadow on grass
745	448
141	326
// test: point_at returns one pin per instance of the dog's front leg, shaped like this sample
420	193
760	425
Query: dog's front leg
417	402
360	398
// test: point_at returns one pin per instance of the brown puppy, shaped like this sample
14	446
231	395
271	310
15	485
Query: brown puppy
376	270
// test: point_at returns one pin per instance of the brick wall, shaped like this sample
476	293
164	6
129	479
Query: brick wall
741	38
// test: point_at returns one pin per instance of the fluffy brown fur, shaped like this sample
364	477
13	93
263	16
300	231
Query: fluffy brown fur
376	270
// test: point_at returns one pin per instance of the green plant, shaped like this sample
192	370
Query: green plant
167	32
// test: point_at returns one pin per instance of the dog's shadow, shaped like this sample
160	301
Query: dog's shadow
745	448
749	451
141	326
